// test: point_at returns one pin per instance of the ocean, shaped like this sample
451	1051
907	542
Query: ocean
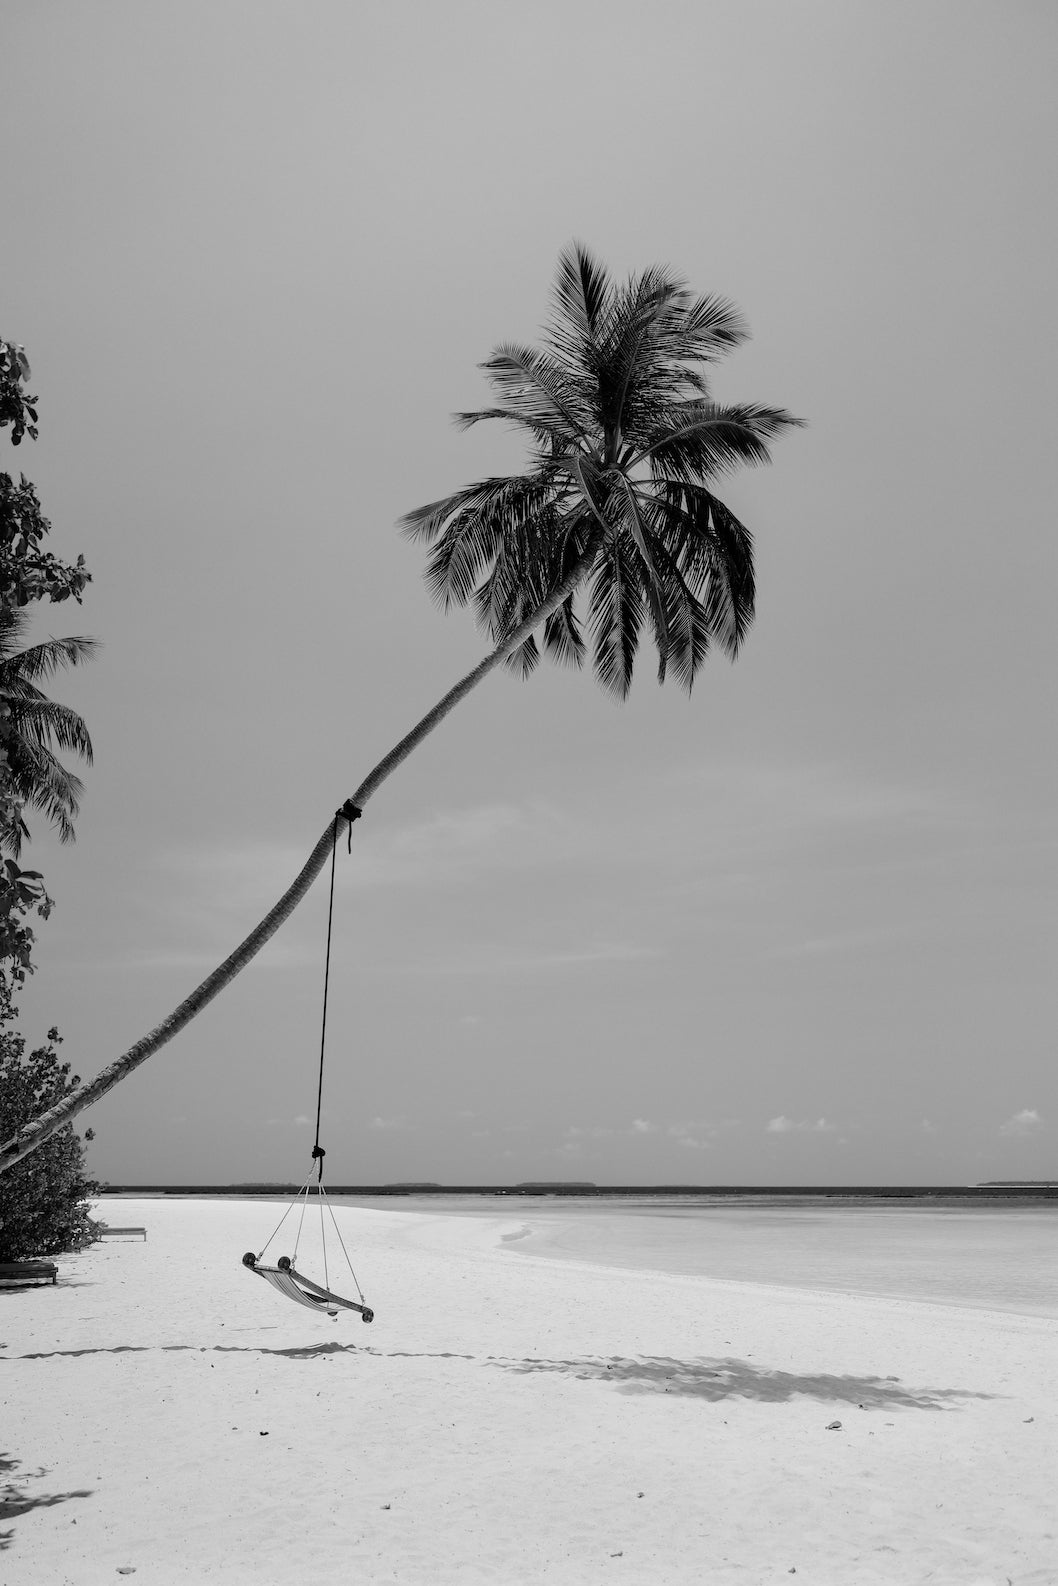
997	1257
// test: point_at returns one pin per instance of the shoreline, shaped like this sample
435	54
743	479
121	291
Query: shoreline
969	1255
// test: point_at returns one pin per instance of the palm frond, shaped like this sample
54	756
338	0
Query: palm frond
426	522
539	388
704	440
531	562
477	533
36	725
45	659
562	636
669	337
623	360
639	532
553	436
582	300
687	629
505	599
582	290
700	330
40	781
615	608
49	724
714	554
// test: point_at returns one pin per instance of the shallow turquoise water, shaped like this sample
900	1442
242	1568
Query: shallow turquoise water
991	1257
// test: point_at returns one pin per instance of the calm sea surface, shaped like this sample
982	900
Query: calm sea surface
992	1257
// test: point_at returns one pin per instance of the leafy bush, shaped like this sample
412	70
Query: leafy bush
43	1198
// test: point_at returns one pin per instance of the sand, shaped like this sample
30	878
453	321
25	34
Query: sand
507	1419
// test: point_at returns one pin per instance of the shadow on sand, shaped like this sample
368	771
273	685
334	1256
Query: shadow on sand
704	1378
729	1378
28	1285
15	1500
298	1352
295	1352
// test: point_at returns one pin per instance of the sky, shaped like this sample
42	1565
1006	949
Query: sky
797	929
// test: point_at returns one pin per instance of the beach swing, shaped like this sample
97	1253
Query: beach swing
286	1278
284	1275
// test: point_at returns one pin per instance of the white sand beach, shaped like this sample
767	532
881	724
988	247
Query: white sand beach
507	1419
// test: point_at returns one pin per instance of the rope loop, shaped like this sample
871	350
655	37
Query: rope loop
350	812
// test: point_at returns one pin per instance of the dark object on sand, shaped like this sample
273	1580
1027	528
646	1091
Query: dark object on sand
29	1271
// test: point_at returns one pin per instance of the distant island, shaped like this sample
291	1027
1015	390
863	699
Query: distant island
1019	1183
556	1184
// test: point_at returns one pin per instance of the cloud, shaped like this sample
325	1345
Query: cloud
389	1123
486	958
820	793
460	844
692	1134
927	1127
681	1132
1027	1121
850	940
781	1125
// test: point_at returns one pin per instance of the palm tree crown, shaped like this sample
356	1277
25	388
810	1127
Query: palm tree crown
626	442
35	726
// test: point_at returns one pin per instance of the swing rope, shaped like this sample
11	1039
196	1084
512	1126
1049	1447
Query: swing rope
349	812
300	1199
318	1153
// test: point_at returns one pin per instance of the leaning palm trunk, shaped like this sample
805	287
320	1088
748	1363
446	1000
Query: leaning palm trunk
48	1123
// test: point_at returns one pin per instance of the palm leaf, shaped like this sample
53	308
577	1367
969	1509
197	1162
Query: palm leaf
35	725
45	659
476	535
39	779
624	361
553	435
640	535
539	388
48	724
615	607
582	291
713	552
562	636
706	440
687	630
582	301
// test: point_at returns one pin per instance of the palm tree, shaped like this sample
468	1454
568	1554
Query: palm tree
616	512
34	727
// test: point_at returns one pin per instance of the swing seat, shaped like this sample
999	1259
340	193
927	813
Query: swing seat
296	1287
